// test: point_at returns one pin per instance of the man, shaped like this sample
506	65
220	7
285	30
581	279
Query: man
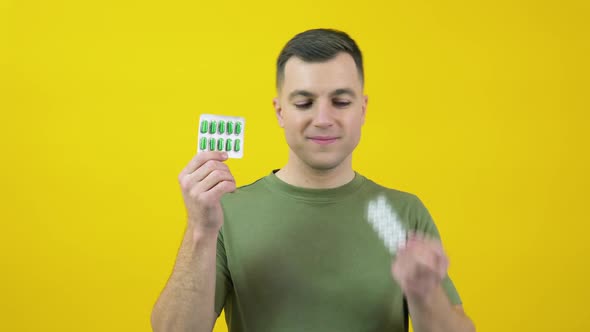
295	250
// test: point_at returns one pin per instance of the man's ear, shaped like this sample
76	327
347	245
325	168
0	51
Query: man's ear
364	108
278	111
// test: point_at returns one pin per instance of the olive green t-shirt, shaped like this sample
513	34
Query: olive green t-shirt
297	259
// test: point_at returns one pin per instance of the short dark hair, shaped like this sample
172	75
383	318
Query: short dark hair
319	45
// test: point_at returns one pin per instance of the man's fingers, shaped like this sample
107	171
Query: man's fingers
223	187
420	257
420	265
213	178
200	159
202	172
421	241
443	266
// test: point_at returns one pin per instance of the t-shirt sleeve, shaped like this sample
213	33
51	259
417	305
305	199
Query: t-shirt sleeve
223	283
425	224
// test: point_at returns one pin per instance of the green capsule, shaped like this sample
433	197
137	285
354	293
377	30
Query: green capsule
230	127
228	144
212	127
220	144
238	127
221	127
204	127
203	143
211	144
237	145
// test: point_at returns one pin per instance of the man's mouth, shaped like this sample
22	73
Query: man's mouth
323	140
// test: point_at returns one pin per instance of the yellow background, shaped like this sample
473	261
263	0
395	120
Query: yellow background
480	108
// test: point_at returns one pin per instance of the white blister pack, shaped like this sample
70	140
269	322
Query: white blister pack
386	224
222	133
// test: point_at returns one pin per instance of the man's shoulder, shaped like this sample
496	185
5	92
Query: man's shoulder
408	206
392	194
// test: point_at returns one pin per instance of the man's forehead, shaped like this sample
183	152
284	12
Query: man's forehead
341	60
337	73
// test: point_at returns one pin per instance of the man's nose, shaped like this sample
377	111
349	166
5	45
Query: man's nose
323	116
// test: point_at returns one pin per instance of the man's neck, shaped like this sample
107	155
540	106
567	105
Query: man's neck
301	175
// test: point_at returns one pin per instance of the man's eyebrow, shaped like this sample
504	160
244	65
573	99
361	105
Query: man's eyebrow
337	92
303	93
343	91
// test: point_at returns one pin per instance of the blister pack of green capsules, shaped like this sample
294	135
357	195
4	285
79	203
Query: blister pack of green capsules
222	133
387	224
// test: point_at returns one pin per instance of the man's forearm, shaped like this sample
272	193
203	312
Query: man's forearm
187	302
436	314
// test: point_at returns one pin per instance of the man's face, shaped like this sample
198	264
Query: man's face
321	107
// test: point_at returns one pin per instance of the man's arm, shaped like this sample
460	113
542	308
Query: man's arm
420	268
187	303
437	314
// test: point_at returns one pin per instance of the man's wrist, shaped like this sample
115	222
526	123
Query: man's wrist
427	302
198	235
203	234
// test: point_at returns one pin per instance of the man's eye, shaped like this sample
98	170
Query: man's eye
303	105
341	103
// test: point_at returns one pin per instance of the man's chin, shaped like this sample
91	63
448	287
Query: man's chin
324	164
